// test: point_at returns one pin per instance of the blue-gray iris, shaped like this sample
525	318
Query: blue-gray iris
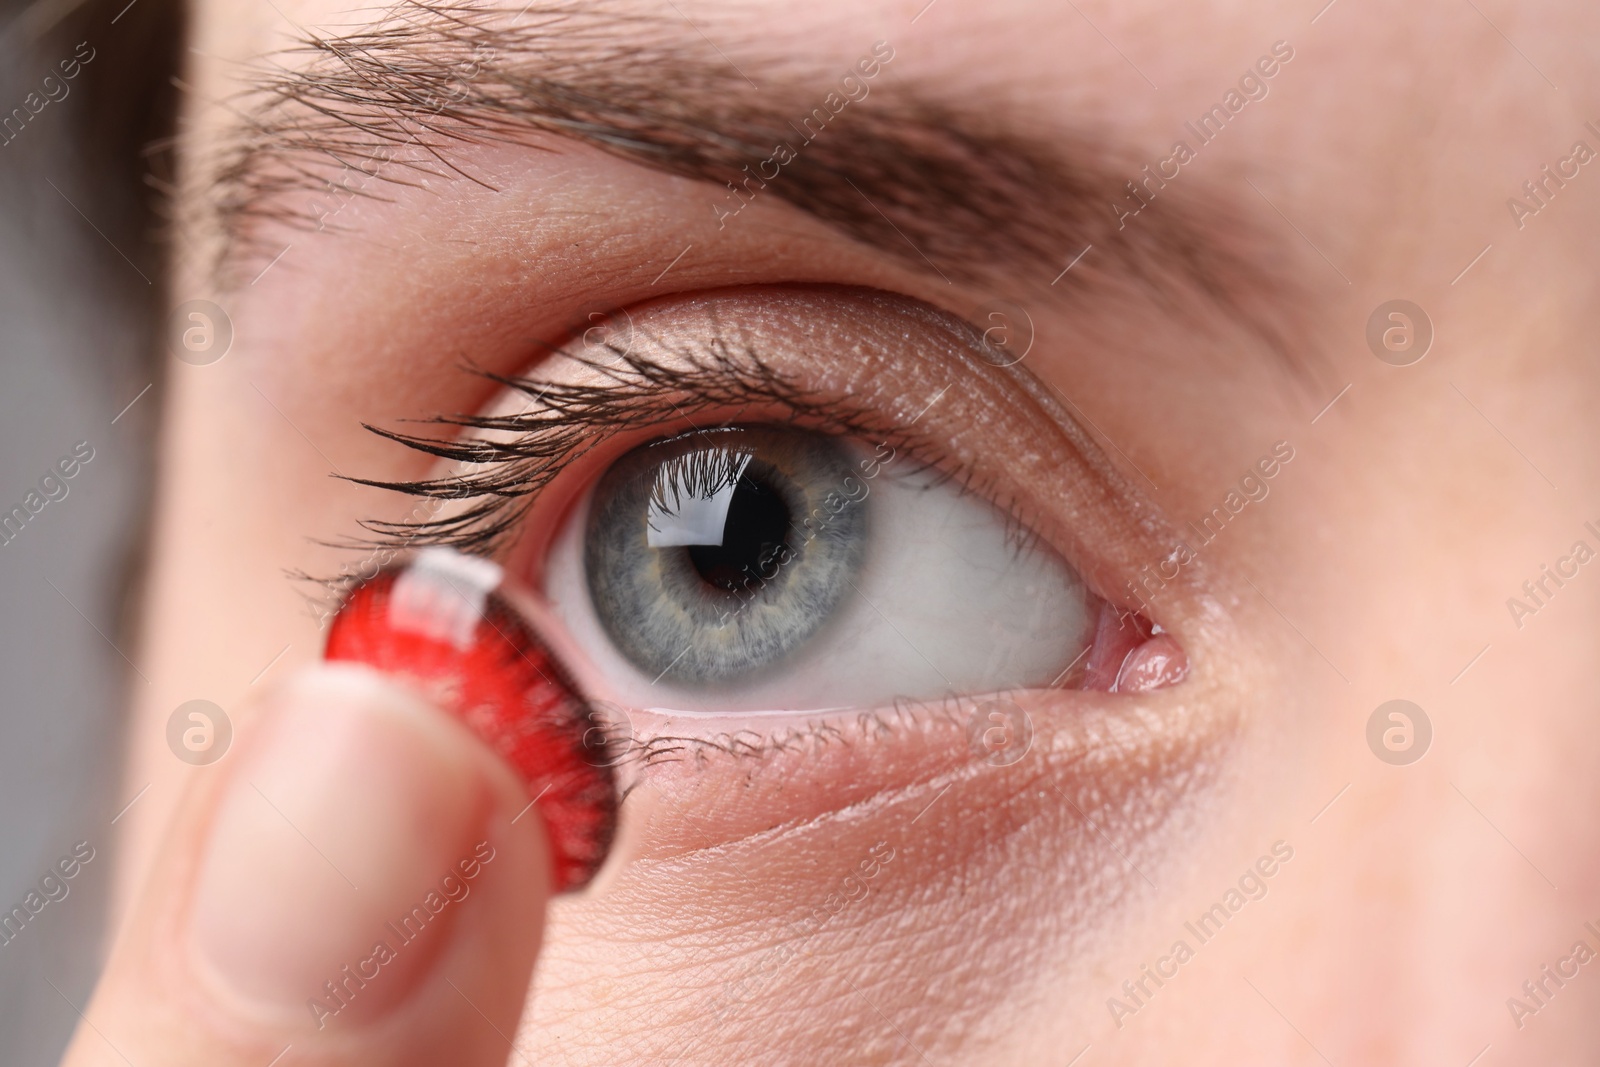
714	554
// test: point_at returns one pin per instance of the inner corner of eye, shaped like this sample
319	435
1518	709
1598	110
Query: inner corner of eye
1128	653
771	568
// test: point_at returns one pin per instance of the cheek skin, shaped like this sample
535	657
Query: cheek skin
1001	882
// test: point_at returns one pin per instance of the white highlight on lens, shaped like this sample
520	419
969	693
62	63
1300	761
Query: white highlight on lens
441	595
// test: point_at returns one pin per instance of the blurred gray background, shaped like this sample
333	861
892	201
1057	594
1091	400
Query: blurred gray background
81	293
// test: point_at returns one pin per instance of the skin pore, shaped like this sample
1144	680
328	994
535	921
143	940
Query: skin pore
1175	347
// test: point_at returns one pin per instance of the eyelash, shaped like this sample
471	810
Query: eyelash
750	744
569	421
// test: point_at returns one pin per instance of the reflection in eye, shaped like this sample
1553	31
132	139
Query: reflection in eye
774	568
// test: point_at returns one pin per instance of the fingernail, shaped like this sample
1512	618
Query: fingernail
333	869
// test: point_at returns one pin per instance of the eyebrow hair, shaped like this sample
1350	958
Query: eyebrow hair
945	191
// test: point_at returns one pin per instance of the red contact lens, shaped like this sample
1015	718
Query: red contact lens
443	622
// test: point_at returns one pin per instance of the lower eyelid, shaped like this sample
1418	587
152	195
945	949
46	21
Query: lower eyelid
895	763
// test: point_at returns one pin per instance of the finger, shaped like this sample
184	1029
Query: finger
355	887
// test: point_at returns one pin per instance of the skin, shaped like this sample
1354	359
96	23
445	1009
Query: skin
1418	898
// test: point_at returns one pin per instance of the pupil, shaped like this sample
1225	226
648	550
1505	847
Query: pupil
757	525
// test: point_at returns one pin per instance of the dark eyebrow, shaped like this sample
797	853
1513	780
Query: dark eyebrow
951	192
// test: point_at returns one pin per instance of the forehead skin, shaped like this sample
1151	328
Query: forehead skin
1378	167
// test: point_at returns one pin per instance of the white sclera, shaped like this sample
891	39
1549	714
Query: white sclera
947	604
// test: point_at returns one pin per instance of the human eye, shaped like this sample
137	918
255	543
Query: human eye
759	567
751	503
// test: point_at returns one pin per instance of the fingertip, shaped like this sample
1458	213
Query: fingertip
367	882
